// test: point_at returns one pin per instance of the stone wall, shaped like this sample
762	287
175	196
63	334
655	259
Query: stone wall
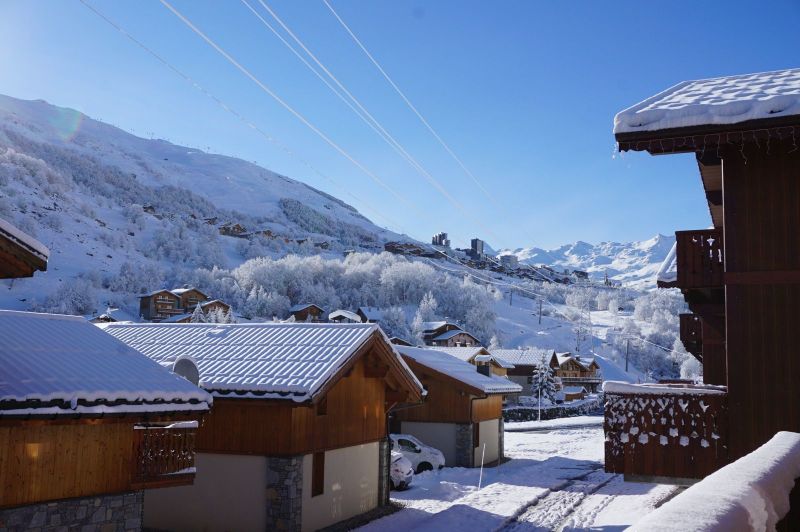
465	447
284	493
108	513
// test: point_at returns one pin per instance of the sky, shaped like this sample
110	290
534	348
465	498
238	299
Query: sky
523	92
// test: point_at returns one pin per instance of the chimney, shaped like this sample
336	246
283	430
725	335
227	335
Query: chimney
485	369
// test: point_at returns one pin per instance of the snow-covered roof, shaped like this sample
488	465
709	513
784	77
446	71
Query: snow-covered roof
716	101
159	291
181	291
346	314
459	370
262	360
531	356
177	318
113	314
468	354
24	239
302	306
372	313
449	334
574	389
428	326
662	389
54	364
668	272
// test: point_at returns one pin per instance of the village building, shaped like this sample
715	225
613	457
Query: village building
307	312
524	362
344	316
86	424
479	356
575	370
446	334
573	393
21	255
370	314
462	413
297	439
111	315
739	277
177	305
510	262
396	340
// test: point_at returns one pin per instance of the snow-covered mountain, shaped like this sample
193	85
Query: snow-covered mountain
104	200
634	264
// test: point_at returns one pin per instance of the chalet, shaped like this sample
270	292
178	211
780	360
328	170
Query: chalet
524	362
176	305
307	312
297	438
573	393
233	229
189	297
574	370
446	334
479	356
344	316
370	314
86	424
462	414
396	340
739	277
21	255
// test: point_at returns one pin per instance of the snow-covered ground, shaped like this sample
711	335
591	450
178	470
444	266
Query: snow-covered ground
554	481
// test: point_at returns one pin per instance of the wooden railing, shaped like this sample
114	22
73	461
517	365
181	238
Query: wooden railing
164	456
663	432
692	334
593	379
700	258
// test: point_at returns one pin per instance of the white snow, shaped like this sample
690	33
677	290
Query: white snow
266	360
749	494
51	357
723	100
459	370
662	389
668	272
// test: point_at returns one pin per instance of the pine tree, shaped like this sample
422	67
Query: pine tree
494	343
544	379
198	316
425	313
229	318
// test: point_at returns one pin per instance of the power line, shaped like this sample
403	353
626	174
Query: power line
232	111
364	113
286	106
410	105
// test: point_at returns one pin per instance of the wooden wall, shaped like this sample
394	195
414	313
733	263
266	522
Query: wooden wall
355	415
45	460
762	263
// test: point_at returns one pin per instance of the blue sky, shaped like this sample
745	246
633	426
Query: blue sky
524	92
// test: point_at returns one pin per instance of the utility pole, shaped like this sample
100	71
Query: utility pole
627	349
511	297
540	311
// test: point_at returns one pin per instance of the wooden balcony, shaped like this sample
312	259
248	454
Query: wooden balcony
700	259
692	334
164	456
665	433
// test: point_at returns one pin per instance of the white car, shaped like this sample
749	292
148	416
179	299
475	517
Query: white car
401	471
422	457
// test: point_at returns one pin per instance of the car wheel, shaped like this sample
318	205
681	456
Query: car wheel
424	466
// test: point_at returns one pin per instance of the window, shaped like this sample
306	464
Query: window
408	445
317	474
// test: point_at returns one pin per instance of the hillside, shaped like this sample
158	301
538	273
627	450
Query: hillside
634	264
103	200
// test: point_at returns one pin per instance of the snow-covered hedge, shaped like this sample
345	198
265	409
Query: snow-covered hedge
750	494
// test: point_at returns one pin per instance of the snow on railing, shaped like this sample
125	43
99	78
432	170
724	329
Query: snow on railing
665	430
752	493
164	451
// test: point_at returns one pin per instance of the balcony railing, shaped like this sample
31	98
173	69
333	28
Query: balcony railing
692	334
700	258
592	379
164	455
662	432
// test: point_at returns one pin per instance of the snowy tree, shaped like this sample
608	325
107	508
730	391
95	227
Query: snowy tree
494	343
394	323
198	316
544	380
425	312
229	317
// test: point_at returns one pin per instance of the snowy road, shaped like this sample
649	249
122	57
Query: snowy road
555	481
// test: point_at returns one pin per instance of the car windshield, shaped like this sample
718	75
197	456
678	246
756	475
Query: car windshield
408	445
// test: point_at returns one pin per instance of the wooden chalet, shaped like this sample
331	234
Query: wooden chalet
480	357
297	438
370	314
575	370
86	423
21	255
396	340
462	413
307	312
741	277
524	362
176	305
446	334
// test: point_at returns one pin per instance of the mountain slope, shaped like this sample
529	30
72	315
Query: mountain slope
634	263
